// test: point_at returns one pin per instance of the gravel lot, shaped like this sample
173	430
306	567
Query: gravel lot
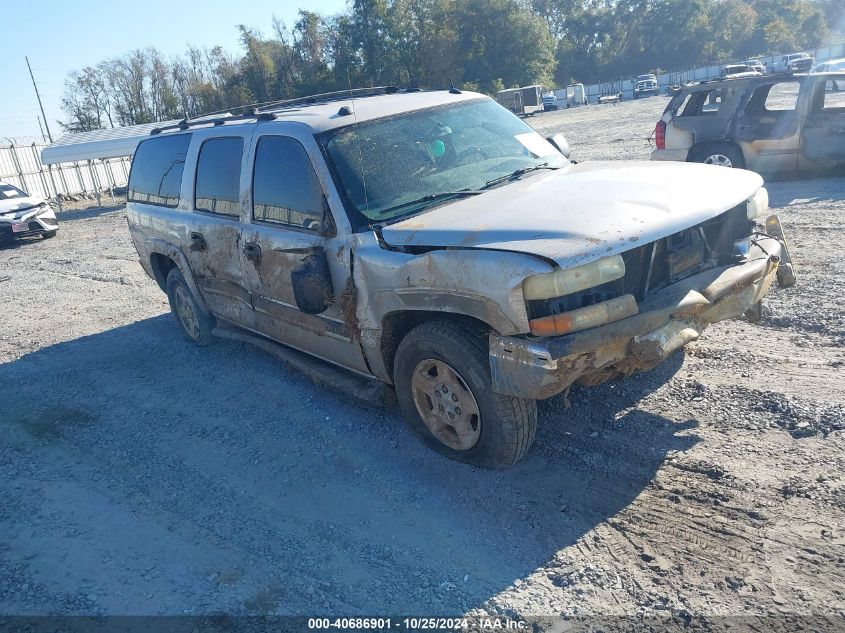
141	475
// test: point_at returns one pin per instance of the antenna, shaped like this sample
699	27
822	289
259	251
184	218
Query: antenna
358	139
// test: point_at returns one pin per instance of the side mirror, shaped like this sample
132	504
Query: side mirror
312	283
560	143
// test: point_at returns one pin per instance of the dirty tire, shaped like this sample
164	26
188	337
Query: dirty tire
194	323
723	154
48	234
755	313
786	275
508	424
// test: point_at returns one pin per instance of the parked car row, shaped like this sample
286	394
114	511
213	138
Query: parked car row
529	100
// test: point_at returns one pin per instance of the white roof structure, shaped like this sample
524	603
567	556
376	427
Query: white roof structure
108	143
321	115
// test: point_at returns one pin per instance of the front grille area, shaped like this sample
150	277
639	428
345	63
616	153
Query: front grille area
684	254
654	266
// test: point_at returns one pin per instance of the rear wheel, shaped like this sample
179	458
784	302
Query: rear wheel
442	378
196	325
719	154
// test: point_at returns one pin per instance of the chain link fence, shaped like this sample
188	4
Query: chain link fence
20	165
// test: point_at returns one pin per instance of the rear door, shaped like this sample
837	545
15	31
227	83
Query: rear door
290	229
823	138
213	245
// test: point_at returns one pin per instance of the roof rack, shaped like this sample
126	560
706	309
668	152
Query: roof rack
206	119
266	111
325	97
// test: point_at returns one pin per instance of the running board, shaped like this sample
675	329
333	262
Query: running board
320	371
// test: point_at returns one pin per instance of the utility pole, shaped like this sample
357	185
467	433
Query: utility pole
38	96
41	127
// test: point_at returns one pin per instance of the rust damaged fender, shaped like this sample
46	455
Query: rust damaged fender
483	284
163	247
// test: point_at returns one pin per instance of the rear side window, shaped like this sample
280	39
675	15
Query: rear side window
218	183
156	175
285	189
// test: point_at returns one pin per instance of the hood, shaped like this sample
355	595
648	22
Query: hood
582	212
18	206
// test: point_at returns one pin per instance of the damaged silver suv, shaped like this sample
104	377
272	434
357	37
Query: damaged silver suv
435	242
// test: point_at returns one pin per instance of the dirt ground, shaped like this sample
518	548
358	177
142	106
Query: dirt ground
141	475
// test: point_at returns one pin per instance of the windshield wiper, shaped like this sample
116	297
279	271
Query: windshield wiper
430	198
517	174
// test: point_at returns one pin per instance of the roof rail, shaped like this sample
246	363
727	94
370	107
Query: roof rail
206	119
265	111
325	97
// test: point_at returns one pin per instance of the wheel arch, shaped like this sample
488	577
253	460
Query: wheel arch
700	147
163	257
396	325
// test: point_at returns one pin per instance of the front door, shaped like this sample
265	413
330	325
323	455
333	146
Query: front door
823	140
214	240
291	235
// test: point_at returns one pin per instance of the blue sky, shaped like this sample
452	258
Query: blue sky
60	36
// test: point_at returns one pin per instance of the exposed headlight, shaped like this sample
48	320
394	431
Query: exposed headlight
758	205
565	282
585	318
46	210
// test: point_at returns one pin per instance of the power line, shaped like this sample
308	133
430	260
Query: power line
38	96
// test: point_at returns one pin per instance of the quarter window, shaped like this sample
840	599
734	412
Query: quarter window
156	176
285	188
218	181
704	102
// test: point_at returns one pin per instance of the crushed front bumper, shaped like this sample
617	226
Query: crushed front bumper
538	368
28	223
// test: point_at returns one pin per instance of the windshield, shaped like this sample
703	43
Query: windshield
646	78
397	166
7	192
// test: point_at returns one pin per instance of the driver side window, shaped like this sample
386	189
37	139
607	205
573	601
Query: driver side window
285	189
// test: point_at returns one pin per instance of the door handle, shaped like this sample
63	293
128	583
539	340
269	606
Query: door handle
253	252
197	242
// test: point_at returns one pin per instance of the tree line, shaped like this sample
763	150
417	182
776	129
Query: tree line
483	45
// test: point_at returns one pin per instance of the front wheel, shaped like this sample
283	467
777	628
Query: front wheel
442	378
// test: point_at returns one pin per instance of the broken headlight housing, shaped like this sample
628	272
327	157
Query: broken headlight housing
570	280
758	204
573	298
